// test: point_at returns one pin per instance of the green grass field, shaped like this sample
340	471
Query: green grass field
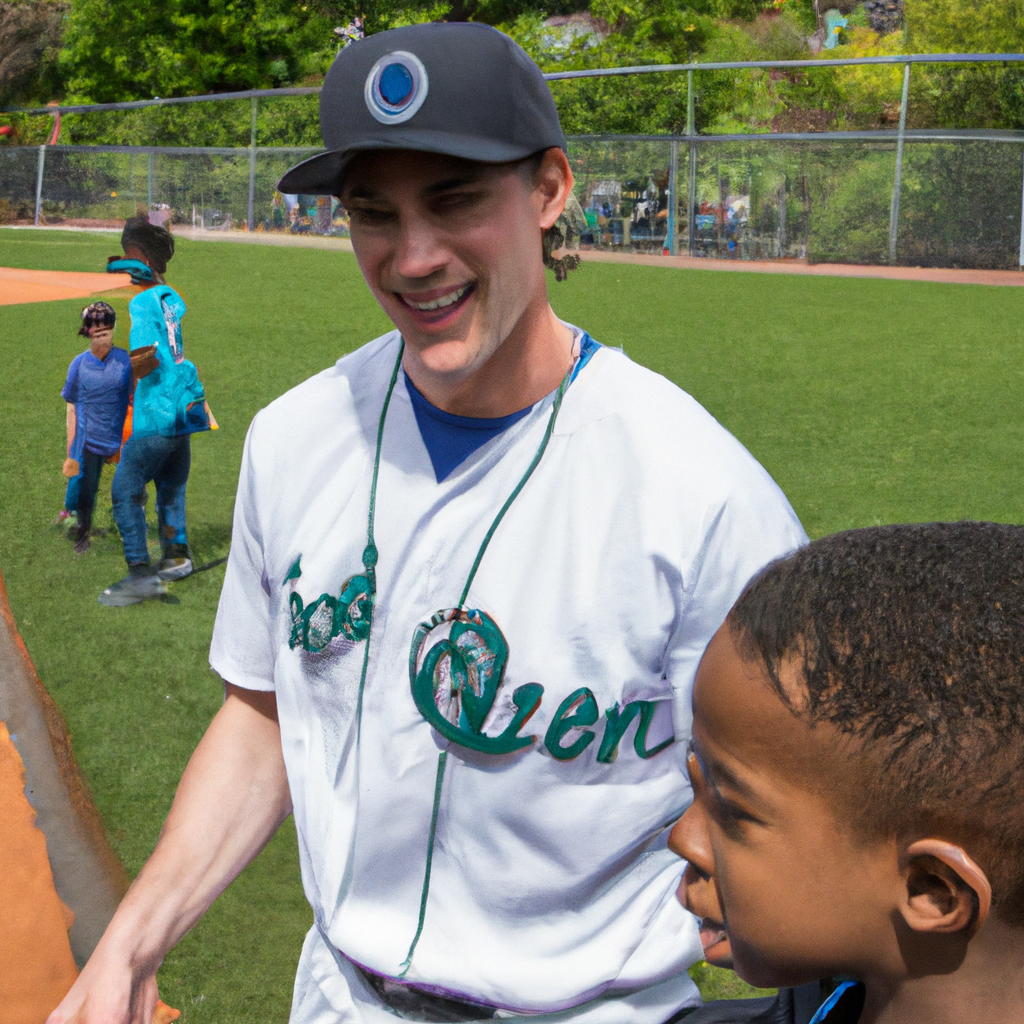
869	401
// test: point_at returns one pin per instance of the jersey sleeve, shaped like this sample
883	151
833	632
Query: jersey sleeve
242	650
147	322
70	390
752	526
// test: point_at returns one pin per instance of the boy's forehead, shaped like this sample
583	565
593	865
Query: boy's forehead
740	716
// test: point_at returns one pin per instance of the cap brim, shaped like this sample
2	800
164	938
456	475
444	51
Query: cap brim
322	175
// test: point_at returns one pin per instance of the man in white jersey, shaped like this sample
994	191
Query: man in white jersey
473	568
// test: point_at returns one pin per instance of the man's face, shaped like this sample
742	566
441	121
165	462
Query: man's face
786	892
450	248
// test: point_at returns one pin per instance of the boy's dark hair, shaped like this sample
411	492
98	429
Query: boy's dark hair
910	639
155	241
97	314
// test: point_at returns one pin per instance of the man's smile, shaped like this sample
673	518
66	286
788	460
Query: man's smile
437	299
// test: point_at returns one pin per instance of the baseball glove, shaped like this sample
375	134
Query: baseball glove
71	468
144	361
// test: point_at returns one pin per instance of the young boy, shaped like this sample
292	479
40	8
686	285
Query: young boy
97	391
857	756
168	409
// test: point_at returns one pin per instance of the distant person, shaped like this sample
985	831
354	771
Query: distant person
97	392
857	761
169	407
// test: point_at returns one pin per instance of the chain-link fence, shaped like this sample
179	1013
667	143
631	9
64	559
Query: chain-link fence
827	199
917	197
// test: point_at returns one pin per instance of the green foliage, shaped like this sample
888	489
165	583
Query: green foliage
281	121
850	210
30	33
959	206
663	32
965	96
965	26
118	49
653	32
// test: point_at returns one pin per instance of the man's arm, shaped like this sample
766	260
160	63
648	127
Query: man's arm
230	801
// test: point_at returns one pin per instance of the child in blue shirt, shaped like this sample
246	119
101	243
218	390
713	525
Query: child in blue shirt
857	762
97	390
169	406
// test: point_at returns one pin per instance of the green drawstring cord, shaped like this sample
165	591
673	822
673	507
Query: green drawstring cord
438	786
370	551
556	405
443	756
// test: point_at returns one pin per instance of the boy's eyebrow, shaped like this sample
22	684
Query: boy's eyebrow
716	772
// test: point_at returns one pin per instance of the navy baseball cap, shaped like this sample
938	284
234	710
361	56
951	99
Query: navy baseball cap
461	89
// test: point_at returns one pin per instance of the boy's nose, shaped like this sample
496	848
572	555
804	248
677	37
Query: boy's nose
689	840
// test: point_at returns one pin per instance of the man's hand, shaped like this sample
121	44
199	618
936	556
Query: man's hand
144	361
107	992
231	800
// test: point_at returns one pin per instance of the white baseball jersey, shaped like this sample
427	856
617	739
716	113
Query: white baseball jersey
552	890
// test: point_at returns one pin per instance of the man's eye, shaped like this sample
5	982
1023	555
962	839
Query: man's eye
454	201
369	215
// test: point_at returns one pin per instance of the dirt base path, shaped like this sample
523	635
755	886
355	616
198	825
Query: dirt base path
942	274
18	286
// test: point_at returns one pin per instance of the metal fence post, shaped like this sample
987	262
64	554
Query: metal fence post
691	192
149	182
673	187
39	183
252	165
894	210
1022	225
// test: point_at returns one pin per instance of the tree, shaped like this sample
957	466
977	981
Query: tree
29	40
964	95
124	49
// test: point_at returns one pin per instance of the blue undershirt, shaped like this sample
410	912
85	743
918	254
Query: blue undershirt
451	439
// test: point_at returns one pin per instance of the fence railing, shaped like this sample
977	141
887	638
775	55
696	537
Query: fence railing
899	195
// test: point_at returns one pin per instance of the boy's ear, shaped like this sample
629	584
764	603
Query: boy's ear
946	891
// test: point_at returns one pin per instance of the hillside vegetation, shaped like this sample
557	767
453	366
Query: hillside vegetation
113	50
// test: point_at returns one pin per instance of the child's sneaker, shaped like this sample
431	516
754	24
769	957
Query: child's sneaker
141	584
62	517
174	568
176	563
81	540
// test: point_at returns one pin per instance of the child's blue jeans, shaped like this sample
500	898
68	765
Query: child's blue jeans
165	461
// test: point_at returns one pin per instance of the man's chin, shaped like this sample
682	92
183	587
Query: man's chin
448	359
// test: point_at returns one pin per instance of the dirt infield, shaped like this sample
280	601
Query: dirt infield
942	274
18	286
945	275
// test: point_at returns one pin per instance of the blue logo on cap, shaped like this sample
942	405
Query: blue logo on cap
396	87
